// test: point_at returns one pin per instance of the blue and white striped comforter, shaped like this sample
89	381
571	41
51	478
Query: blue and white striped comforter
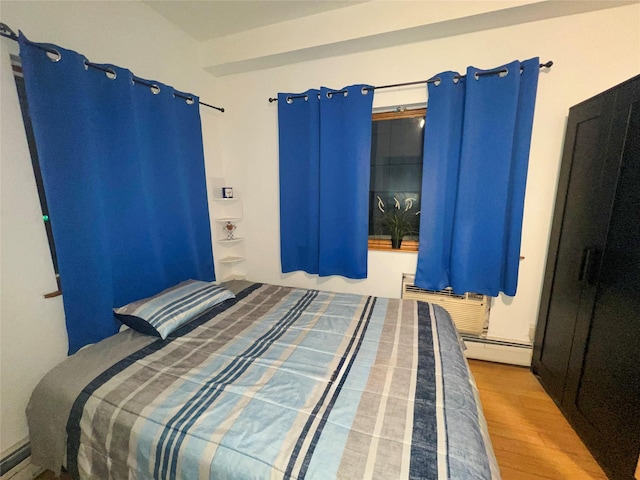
288	383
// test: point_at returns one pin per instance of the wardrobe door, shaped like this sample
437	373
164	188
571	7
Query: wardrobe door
574	236
602	394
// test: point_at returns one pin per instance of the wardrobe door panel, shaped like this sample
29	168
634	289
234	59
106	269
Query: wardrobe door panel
583	170
602	393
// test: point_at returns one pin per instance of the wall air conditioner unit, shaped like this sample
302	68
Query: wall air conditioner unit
468	311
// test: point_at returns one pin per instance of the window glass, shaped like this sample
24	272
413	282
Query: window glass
396	170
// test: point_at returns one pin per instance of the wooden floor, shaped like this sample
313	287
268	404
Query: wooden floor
48	475
531	438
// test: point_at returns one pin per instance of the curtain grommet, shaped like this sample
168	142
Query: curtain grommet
456	79
306	98
155	89
289	100
435	81
501	73
54	55
189	100
111	74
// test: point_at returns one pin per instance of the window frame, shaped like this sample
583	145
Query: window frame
18	77
384	244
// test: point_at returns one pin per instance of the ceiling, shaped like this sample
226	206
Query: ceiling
208	19
237	36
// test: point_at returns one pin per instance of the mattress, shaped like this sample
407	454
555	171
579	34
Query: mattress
277	383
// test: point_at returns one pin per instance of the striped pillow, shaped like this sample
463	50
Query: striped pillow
163	313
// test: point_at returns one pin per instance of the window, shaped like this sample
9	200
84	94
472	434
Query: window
16	65
396	174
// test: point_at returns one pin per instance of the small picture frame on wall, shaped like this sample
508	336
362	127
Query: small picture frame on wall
227	192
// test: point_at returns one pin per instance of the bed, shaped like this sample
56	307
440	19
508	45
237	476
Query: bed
277	382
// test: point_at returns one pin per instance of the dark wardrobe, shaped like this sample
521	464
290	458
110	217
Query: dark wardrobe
587	344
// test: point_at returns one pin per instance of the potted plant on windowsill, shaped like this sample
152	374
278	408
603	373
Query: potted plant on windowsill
398	222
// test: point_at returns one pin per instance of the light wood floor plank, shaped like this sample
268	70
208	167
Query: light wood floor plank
531	438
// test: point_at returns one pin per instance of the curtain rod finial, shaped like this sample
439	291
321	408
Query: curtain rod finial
6	31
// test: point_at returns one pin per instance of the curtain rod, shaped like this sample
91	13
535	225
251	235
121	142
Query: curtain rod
7	32
405	84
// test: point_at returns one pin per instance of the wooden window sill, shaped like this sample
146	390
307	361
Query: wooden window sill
56	293
385	244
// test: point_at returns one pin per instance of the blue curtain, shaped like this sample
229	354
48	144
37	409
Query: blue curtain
299	138
325	148
476	152
123	171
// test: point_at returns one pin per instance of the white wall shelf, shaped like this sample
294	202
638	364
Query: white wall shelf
228	219
228	252
231	259
230	242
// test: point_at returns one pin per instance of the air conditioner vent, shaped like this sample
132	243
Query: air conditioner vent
475	296
468	312
447	292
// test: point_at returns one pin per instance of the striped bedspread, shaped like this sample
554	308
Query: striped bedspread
288	383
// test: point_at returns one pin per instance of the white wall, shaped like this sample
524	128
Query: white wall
129	34
592	52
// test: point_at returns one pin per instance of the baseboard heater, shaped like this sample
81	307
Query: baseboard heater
15	463
470	314
496	350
